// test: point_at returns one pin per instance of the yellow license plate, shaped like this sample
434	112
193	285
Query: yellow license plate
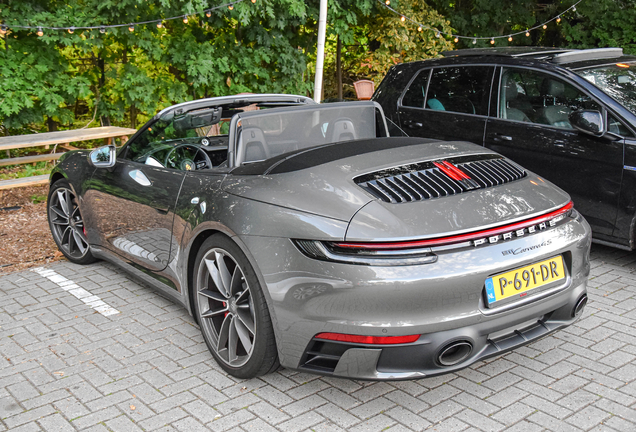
518	282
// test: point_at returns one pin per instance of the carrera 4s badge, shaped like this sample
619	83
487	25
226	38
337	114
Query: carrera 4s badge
526	249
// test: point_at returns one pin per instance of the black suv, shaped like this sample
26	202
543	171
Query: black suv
568	115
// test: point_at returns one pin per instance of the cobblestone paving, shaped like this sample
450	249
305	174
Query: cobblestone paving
65	367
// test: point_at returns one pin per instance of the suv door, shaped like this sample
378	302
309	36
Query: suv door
531	127
448	103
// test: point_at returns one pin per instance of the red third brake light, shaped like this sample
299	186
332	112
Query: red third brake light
451	170
456	170
371	340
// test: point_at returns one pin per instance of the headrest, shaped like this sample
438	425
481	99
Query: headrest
511	90
252	143
343	130
550	87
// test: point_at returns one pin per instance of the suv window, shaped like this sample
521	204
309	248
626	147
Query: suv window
616	126
416	93
460	89
535	97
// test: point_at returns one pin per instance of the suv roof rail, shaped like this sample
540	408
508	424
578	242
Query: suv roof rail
506	52
588	54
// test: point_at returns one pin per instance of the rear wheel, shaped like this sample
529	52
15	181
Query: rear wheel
67	225
232	311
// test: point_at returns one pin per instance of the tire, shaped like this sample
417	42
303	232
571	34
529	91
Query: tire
231	310
66	224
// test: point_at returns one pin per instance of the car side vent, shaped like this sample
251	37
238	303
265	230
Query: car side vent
435	179
323	356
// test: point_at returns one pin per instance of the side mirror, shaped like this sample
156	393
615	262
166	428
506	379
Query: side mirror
103	157
588	121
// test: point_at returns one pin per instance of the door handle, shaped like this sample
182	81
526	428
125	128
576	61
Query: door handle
412	124
139	177
499	137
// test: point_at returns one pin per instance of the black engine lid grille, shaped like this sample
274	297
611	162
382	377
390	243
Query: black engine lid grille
440	178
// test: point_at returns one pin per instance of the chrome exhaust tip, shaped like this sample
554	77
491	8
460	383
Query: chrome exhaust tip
454	353
580	305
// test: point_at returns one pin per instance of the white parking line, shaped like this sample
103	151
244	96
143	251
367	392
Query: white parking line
68	285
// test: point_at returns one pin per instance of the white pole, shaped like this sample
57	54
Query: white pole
320	55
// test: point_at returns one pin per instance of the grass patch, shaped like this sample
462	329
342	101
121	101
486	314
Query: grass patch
20	171
37	199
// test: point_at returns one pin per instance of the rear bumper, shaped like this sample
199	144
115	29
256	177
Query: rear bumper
442	301
421	358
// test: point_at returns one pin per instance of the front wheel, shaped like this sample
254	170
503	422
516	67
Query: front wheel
66	223
231	310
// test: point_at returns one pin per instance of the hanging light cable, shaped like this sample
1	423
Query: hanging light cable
492	39
131	26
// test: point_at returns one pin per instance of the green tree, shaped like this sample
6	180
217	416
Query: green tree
594	24
125	76
373	39
602	23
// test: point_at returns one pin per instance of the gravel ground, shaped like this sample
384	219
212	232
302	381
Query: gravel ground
25	239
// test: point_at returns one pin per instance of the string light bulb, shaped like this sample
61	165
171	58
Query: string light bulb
102	30
438	34
456	39
3	29
40	32
492	41
419	28
131	28
159	24
253	1
71	30
231	6
403	18
208	13
185	19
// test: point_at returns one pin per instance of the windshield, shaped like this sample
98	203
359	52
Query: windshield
618	81
277	131
173	139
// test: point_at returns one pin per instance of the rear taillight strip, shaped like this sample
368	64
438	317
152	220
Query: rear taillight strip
442	241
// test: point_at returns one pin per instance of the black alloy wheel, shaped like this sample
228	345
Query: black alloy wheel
66	224
231	310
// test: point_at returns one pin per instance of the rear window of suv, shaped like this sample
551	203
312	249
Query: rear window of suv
462	89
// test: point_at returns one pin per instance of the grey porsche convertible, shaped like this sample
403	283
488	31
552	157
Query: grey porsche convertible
302	235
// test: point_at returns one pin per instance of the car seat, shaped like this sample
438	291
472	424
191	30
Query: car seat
555	114
253	143
343	130
511	94
435	104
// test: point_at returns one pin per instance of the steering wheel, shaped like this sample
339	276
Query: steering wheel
187	157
